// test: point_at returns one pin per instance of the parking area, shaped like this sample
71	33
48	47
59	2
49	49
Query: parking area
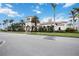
12	44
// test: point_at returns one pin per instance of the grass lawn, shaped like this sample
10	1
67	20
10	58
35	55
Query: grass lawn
56	34
49	34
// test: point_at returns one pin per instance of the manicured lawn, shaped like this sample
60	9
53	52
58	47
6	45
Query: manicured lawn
49	34
56	34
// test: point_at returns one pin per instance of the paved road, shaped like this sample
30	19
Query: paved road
31	45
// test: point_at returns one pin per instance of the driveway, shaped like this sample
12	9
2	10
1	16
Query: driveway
35	45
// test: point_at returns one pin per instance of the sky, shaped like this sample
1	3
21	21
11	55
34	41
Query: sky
44	11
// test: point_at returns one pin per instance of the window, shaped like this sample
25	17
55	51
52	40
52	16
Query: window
28	18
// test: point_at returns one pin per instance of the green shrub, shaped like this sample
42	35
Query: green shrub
40	29
70	30
46	29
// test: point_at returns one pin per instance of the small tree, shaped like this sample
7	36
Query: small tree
22	24
5	23
11	23
35	21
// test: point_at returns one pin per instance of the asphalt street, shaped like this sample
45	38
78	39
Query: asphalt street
13	44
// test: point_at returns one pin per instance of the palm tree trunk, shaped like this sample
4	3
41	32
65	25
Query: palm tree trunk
73	22
54	17
35	26
54	7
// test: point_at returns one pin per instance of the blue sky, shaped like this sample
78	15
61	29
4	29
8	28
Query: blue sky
18	11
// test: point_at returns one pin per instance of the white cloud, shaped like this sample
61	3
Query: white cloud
9	12
46	19
41	3
62	19
37	11
0	5
68	4
37	7
59	18
8	5
45	4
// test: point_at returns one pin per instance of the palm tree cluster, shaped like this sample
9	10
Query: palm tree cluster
9	25
7	22
74	15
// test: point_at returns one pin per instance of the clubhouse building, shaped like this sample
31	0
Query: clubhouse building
63	25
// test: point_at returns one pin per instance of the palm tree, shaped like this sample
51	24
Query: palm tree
77	15
73	17
35	21
11	23
77	12
5	23
22	23
0	23
54	9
